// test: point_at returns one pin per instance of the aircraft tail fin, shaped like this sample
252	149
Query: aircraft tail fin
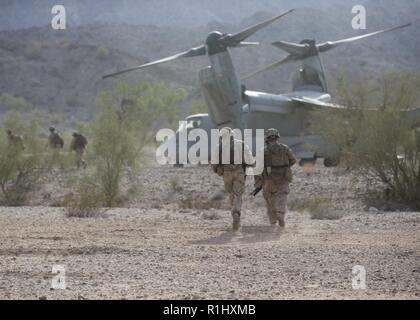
311	74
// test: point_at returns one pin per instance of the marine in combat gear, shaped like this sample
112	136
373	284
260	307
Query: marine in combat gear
233	172
15	141
54	139
78	145
276	177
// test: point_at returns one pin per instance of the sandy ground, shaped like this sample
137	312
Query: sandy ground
165	248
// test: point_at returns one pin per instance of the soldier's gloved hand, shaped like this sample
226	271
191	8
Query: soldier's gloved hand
219	171
258	184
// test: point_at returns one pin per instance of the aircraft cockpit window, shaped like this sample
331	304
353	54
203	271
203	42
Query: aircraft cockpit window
194	124
190	124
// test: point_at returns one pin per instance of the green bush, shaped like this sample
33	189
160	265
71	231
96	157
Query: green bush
376	137
144	108
86	200
319	208
125	122
197	106
113	150
20	169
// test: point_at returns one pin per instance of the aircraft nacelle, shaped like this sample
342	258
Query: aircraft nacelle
222	92
305	147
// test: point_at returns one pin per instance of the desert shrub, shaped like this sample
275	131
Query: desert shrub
175	184
86	200
10	102
20	169
325	213
200	202
210	215
197	106
124	124
377	136
102	53
112	152
319	208
143	108
309	204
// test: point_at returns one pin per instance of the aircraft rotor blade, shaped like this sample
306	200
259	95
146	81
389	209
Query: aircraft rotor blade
194	52
271	66
332	44
292	48
246	44
234	39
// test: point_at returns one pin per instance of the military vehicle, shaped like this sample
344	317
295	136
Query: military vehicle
230	104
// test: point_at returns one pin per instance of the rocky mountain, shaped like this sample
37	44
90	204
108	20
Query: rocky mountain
59	70
17	14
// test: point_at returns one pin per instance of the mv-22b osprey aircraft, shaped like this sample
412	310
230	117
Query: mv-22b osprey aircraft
231	105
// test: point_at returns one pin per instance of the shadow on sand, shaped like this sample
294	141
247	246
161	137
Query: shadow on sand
247	234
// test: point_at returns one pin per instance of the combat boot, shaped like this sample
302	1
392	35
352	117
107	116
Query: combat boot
282	224
236	221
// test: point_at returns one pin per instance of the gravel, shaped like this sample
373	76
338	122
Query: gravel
154	250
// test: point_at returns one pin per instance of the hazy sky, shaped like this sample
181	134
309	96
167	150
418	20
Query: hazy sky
16	14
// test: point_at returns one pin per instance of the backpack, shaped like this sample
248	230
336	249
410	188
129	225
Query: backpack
80	142
57	140
276	157
232	152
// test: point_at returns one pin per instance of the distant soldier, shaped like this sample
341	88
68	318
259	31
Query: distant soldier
54	140
15	141
78	145
276	177
233	174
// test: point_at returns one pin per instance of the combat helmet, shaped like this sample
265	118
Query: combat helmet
225	132
271	132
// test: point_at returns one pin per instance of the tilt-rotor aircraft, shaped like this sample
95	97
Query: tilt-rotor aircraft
231	105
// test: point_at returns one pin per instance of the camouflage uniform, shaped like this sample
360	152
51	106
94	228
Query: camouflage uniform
275	179
54	140
78	145
233	174
15	141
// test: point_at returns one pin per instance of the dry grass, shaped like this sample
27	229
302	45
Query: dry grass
201	202
85	202
175	184
319	208
210	215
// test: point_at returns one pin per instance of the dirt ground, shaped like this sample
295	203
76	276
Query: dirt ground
175	243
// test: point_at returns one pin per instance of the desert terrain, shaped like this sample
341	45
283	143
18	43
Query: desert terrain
175	242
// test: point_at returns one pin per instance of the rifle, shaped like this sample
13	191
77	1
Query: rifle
256	191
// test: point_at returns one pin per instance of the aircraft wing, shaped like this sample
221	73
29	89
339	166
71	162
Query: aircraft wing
314	103
410	116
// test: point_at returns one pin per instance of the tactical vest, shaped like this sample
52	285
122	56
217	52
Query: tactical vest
275	156
277	163
56	140
80	142
231	165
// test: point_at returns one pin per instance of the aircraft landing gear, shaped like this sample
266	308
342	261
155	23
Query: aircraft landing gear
330	162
